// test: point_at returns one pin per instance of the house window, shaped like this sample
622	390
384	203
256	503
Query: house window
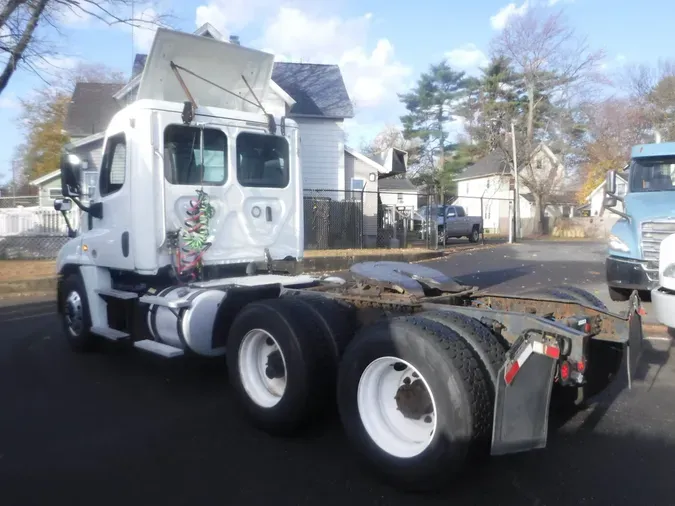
466	188
182	156
114	165
55	193
538	164
399	198
262	160
487	184
356	188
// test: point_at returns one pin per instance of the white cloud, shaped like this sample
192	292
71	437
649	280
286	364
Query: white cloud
467	57
9	101
55	64
373	77
500	20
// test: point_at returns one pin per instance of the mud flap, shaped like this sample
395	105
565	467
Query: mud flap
522	406
635	338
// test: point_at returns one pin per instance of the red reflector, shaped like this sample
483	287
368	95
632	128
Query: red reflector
552	351
564	370
587	328
581	366
642	311
511	373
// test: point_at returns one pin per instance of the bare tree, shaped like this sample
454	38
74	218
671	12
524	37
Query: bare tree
24	25
653	88
557	68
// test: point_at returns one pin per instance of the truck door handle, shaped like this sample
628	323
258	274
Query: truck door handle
268	213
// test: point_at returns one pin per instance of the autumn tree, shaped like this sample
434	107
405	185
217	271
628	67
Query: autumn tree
28	27
431	105
614	126
43	115
557	70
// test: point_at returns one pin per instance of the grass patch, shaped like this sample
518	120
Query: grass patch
19	270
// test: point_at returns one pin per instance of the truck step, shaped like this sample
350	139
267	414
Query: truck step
117	294
161	301
108	333
163	350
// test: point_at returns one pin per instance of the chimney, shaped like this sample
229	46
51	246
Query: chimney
234	39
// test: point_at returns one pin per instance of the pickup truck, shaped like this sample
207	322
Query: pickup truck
456	222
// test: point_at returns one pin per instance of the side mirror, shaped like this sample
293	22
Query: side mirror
71	170
63	205
610	182
610	201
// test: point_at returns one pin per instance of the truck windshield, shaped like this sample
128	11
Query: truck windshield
262	160
652	174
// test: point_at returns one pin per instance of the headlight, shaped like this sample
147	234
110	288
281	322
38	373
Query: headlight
617	244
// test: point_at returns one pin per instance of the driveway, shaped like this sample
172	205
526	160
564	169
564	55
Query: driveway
115	428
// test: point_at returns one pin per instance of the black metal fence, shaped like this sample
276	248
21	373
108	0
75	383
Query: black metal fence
333	219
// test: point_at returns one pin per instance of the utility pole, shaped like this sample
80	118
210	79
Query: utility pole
516	186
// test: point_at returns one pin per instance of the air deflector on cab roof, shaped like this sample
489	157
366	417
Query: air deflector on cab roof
212	60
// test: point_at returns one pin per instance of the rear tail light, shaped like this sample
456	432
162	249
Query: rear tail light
565	371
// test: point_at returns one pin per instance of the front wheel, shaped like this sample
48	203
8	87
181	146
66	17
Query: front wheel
618	294
75	315
414	401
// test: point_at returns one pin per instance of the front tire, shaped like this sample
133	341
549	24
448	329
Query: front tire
75	315
413	401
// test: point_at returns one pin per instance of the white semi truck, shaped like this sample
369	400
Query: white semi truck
663	296
191	247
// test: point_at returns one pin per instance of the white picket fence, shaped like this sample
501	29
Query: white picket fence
36	221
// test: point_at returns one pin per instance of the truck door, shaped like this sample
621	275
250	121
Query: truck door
462	221
109	239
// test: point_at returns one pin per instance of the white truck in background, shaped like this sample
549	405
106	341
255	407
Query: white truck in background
663	296
191	245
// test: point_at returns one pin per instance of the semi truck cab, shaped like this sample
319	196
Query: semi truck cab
648	217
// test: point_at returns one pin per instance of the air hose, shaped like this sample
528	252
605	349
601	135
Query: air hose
194	238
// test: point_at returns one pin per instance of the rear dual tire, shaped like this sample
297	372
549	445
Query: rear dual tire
282	357
452	382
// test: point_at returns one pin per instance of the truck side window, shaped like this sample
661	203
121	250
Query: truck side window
460	212
182	157
451	212
114	165
262	160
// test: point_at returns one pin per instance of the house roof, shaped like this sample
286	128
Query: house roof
46	178
318	90
395	184
91	108
492	163
365	159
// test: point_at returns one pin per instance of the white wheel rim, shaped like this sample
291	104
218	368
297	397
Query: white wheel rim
254	356
396	434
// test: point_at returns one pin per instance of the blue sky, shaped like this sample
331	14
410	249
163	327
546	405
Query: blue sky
382	46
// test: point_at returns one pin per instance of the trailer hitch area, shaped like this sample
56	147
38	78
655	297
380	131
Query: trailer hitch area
524	387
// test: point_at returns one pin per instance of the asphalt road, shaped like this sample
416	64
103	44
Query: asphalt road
114	428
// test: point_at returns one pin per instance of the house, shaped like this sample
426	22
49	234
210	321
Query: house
489	181
595	200
313	95
368	179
